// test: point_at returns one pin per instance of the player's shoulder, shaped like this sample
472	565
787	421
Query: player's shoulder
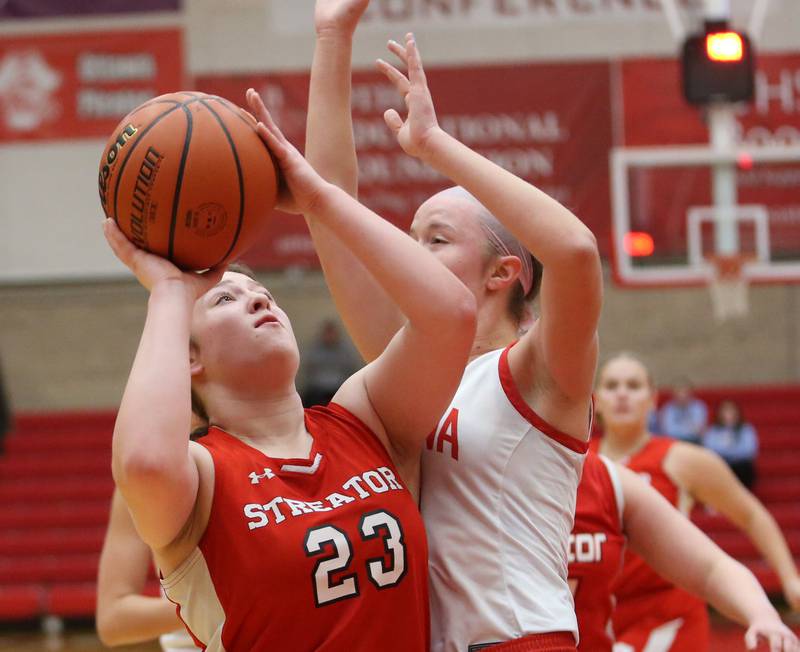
656	448
200	453
692	458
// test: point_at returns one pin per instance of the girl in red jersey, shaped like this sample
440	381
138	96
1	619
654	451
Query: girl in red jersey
650	608
507	454
616	507
284	528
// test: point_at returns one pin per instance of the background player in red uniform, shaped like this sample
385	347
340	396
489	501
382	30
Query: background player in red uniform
616	507
284	528
649	607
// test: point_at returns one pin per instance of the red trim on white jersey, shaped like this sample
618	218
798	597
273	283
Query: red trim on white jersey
196	640
519	403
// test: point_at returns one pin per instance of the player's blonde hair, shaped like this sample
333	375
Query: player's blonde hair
501	242
626	355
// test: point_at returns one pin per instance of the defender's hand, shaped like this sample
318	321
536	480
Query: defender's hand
420	124
338	17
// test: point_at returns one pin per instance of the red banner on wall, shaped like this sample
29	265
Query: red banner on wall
656	113
549	124
81	85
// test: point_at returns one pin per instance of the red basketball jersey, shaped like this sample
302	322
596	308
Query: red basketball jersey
644	598
595	552
326	553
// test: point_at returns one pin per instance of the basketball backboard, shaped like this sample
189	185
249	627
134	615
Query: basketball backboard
665	194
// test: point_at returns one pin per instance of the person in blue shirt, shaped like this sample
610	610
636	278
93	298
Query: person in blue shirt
685	416
735	440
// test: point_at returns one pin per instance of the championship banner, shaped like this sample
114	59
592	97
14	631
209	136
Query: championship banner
549	124
10	9
652	96
295	16
67	86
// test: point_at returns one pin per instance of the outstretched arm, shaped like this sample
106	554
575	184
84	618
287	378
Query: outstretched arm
405	390
123	615
565	338
369	315
709	480
330	147
151	461
682	554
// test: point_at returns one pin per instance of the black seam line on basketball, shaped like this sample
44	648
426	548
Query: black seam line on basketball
179	180
149	104
241	181
130	152
232	108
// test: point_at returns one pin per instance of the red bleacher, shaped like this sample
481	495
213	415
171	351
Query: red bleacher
55	487
55	490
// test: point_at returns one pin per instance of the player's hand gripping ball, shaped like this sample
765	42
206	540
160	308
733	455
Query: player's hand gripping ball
187	177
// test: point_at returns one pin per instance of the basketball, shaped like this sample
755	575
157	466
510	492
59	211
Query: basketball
186	176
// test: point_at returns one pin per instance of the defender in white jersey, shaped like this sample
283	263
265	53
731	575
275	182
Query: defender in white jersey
501	471
498	501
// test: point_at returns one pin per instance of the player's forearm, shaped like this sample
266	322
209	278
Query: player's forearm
154	414
545	227
431	298
135	619
768	538
734	591
330	147
371	318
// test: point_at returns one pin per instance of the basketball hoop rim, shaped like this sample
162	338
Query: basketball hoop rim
729	267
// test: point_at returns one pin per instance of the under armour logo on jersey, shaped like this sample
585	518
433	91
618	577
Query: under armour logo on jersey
255	478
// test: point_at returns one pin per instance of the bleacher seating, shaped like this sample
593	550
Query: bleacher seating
55	489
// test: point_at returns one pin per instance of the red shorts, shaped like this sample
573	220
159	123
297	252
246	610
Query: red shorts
646	626
549	642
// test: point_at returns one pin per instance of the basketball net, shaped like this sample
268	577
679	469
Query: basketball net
728	286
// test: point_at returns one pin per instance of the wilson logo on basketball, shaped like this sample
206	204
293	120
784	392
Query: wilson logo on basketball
207	220
110	158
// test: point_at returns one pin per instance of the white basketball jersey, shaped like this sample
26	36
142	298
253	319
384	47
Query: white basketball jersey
178	641
498	500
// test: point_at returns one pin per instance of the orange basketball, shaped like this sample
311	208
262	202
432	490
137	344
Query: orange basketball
187	177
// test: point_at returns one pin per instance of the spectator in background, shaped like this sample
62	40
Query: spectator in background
734	440
652	422
327	364
685	416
